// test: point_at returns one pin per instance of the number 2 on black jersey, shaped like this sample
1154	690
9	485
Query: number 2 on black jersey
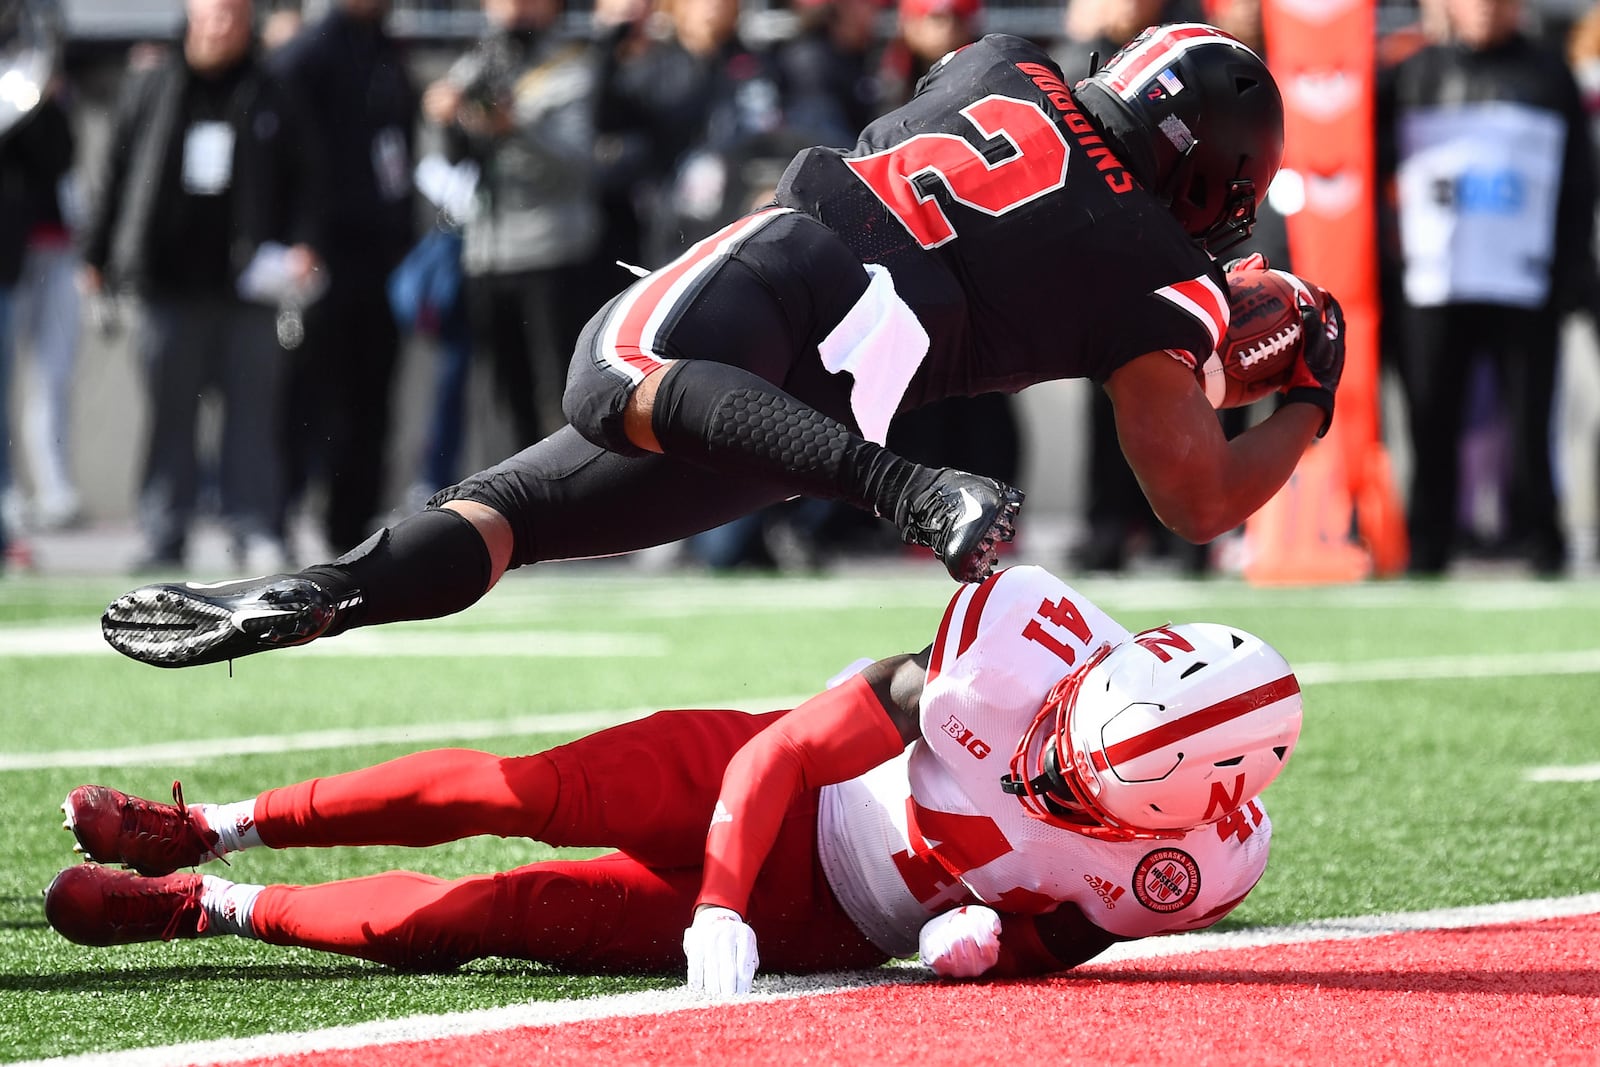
1036	165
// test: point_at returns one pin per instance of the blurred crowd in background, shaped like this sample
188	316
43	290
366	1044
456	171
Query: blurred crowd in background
290	197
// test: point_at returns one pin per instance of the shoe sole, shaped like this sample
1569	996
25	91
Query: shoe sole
70	823
167	627
980	562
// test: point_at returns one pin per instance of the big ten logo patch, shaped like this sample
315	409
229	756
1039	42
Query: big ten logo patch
966	738
1166	880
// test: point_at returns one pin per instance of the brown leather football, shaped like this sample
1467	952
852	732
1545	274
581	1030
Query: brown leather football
1264	339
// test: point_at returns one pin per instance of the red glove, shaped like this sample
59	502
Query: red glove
1254	261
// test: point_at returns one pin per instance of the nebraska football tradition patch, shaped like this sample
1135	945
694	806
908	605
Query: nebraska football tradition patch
1166	880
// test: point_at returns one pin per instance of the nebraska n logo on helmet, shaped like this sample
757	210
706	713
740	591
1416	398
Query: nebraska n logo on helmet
1198	118
1173	729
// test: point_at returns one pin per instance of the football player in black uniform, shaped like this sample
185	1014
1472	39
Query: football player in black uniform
996	231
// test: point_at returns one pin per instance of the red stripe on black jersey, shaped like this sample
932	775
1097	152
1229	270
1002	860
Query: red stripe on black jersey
633	326
1198	722
1128	72
1205	301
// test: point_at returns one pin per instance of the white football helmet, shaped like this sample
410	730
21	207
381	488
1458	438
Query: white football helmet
1171	730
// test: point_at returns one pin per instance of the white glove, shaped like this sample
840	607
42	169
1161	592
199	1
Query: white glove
722	952
961	943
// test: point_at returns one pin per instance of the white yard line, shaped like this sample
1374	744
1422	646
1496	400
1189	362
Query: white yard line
1585	772
774	988
1582	661
1493	665
85	640
179	753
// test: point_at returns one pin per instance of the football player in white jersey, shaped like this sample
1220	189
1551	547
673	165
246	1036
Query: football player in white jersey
1035	785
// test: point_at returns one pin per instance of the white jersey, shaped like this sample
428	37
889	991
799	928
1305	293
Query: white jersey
932	829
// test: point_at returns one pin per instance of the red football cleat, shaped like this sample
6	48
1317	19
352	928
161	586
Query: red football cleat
100	906
151	837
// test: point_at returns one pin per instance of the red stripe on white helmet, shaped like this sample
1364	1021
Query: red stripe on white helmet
1198	722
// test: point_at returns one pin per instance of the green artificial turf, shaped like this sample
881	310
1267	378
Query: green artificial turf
1426	706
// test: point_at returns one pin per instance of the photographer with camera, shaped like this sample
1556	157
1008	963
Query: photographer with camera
521	105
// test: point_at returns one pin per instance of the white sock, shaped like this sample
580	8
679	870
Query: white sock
227	906
235	824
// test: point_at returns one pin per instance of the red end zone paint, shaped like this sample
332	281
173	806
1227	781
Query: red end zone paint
1526	993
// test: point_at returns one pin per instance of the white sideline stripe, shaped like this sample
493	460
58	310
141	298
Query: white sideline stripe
188	752
771	988
1582	661
396	641
1584	772
1507	665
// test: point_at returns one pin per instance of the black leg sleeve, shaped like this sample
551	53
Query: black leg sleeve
730	420
426	565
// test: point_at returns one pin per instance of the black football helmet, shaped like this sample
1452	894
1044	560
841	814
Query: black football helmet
1198	119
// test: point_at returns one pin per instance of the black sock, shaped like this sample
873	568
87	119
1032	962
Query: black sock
426	565
728	419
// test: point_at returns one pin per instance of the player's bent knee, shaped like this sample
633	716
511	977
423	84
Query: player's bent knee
493	527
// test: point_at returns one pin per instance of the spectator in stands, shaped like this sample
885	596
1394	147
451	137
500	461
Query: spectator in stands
521	104
212	172
723	114
633	152
47	313
427	298
280	26
15	150
826	69
1495	196
341	387
924	31
1583	52
33	152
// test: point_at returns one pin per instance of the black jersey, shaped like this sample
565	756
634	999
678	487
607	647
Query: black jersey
1010	228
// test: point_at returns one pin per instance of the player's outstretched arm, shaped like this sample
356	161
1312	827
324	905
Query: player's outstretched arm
1199	483
833	737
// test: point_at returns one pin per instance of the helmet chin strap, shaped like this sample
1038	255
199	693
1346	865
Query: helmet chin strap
1048	786
1238	218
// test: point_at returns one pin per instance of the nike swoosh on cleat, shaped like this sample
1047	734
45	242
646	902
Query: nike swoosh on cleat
970	508
219	585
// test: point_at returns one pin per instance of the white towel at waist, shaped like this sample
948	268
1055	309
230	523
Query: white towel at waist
881	343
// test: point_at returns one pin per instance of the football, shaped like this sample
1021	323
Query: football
1264	337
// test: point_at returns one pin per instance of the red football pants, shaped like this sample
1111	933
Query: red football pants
646	788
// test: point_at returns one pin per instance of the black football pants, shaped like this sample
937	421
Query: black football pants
762	303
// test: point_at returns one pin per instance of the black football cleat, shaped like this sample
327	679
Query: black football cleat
962	517
190	624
